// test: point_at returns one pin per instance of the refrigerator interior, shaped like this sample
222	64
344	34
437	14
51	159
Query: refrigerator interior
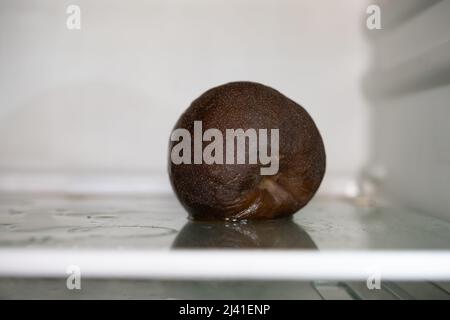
85	117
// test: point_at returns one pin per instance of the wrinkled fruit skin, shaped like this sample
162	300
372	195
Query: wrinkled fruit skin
232	191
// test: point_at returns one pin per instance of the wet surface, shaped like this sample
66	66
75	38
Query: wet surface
273	234
159	222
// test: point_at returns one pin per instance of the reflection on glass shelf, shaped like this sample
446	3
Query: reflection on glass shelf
272	234
159	222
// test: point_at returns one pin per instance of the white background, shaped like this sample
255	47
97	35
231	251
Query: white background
104	98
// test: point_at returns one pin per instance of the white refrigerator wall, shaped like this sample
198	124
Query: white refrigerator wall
408	86
105	98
